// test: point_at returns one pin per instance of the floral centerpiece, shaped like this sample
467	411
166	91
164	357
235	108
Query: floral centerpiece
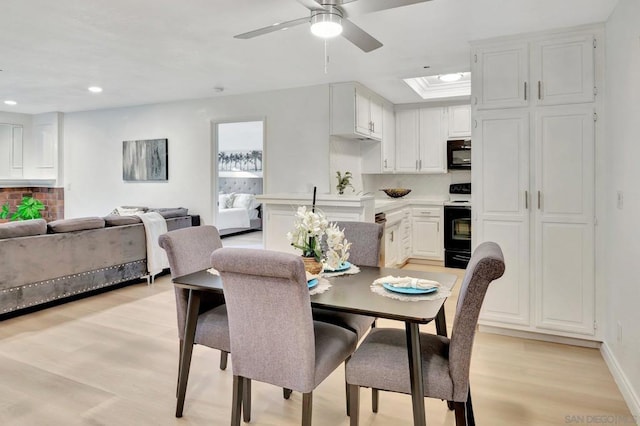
309	228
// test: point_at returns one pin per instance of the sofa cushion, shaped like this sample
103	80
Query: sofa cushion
76	224
116	220
171	212
23	228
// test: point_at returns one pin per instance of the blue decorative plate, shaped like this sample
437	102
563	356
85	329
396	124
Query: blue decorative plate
312	283
343	267
409	290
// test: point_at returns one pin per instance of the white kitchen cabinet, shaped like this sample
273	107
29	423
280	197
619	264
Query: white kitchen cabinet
501	202
459	120
11	149
426	233
392	246
564	219
356	112
405	234
555	70
563	70
421	140
500	75
544	225
380	157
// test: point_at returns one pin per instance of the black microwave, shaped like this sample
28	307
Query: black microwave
459	154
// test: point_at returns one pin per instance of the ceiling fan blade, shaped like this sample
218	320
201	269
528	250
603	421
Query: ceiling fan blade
311	4
274	27
355	8
359	37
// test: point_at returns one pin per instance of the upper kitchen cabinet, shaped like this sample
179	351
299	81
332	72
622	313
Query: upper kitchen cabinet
550	70
459	121
11	151
356	112
500	76
420	140
380	157
563	70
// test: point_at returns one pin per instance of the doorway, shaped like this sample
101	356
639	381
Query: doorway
238	175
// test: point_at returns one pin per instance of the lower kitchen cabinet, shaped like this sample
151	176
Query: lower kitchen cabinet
426	233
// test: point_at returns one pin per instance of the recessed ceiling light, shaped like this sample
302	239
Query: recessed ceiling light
450	78
95	89
10	102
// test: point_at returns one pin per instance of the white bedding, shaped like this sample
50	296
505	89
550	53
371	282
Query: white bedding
236	217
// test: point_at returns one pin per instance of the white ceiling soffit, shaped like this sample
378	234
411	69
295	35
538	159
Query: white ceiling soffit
151	51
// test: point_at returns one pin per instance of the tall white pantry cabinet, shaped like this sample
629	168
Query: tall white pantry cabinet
535	116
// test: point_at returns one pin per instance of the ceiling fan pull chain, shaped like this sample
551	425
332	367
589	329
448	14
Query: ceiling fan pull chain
326	58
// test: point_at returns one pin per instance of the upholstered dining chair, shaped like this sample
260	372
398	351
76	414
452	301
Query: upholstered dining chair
273	336
189	250
365	238
381	360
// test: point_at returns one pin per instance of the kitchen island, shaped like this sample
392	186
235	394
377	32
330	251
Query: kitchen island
279	210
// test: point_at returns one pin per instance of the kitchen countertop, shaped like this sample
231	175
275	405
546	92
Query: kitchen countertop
388	204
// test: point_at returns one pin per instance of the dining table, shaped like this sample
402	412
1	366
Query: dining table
350	293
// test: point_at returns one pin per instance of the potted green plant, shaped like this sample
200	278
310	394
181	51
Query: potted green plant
29	208
343	182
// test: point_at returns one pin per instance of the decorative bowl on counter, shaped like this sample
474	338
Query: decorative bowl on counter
396	192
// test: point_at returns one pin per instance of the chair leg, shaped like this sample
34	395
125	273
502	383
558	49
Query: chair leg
224	356
346	387
354	402
179	366
236	405
246	400
460	412
183	377
471	421
307	406
374	400
286	393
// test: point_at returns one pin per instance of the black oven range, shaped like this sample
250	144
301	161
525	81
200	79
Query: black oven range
457	226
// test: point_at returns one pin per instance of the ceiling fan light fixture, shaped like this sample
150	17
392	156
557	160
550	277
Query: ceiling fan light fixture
326	24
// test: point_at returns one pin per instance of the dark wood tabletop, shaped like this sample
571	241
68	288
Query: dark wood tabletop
352	293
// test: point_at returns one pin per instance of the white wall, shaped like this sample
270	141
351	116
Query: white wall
622	245
426	186
296	149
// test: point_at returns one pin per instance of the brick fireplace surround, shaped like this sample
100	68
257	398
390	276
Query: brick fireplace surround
52	198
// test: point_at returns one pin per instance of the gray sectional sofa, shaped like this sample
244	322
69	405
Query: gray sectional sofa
42	263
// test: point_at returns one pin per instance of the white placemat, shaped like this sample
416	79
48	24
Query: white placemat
323	285
353	269
441	293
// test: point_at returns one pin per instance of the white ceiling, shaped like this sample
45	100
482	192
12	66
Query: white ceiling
149	51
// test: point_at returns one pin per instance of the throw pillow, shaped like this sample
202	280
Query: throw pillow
225	201
245	201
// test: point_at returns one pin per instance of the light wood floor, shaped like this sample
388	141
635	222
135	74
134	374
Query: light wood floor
112	359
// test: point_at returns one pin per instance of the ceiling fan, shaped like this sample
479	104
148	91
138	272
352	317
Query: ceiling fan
329	19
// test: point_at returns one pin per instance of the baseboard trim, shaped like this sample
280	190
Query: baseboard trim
539	336
628	393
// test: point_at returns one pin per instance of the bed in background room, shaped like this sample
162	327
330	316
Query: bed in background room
238	209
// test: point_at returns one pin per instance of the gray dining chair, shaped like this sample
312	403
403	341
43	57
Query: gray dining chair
273	336
189	250
381	360
365	238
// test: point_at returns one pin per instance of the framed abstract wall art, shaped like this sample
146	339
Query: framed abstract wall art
145	160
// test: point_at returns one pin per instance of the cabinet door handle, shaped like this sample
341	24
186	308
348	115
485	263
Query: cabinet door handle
420	164
540	90
539	199
416	164
385	163
526	200
391	236
525	90
438	227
